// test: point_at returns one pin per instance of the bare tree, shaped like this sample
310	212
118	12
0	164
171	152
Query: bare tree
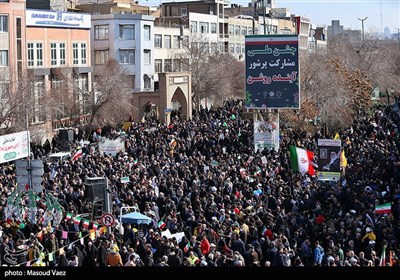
214	74
109	102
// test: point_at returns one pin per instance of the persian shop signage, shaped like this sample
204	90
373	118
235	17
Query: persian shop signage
57	19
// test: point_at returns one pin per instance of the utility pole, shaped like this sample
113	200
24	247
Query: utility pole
263	13
398	35
362	27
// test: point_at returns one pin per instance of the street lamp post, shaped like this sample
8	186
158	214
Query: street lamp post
362	27
398	35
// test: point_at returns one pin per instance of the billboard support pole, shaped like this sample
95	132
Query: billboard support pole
28	167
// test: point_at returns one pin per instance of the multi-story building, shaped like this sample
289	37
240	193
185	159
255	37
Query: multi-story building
12	43
206	19
317	40
58	61
171	49
335	29
129	39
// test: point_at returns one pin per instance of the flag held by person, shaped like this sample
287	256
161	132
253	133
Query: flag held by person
337	136
383	208
161	224
78	153
301	160
383	257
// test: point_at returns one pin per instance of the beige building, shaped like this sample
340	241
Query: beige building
58	60
12	44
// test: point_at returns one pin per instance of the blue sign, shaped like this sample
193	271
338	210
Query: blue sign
272	72
57	19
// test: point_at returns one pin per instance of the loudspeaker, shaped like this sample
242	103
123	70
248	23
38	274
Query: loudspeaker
63	135
96	192
96	188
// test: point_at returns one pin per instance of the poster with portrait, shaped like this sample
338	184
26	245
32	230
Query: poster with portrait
329	159
266	135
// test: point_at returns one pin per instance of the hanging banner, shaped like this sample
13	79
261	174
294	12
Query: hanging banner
111	147
14	146
266	135
272	72
329	159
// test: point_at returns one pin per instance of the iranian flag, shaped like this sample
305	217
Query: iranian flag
257	172
78	154
382	262
77	220
263	231
95	225
161	224
383	208
69	216
301	160
186	248
85	223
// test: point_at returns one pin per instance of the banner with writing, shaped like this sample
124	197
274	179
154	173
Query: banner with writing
14	146
272	71
111	147
266	135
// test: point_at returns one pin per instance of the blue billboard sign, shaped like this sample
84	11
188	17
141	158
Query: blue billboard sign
272	72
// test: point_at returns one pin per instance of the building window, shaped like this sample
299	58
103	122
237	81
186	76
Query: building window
231	48
230	29
75	53
167	41
158	41
185	64
185	41
193	26
147	33
167	65
4	90
146	81
62	54
53	49
83	54
37	101
177	65
243	30
204	27
183	11
3	23
39	54
101	32
3	57
238	48
213	28
147	57
214	47
80	92
31	56
237	30
176	42
127	56
158	65
35	54
79	53
100	57
243	48
126	32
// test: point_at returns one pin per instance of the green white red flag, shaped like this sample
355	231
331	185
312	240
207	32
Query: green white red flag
301	160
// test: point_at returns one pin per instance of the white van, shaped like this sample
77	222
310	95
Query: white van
56	157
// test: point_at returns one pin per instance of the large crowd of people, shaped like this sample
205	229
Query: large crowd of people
202	177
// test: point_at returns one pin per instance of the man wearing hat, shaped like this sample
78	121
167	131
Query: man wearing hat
369	235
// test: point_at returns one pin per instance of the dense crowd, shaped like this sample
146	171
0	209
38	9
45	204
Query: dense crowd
189	175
